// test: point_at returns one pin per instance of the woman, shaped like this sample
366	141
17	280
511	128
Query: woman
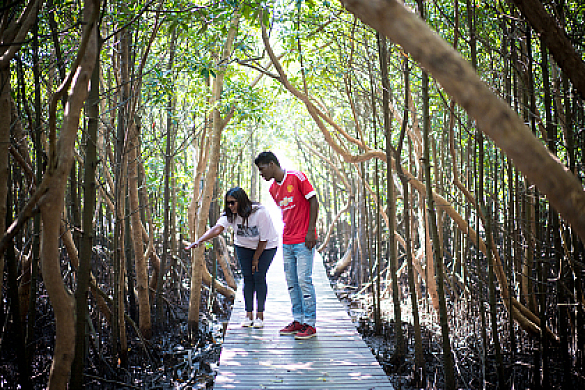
256	241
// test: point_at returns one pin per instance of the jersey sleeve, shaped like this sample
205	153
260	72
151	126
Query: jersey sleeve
305	187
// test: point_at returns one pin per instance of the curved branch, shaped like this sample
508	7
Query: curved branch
29	210
85	39
556	41
15	35
318	115
332	225
493	116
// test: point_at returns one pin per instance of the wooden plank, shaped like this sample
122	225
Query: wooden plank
337	358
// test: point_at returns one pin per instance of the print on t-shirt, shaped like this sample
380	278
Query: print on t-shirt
247	231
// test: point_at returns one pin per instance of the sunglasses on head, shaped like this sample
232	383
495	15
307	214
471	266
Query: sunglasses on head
230	202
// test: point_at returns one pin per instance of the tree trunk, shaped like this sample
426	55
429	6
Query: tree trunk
215	144
120	176
419	371
193	209
225	263
254	196
67	238
51	206
364	258
140	264
493	314
390	199
554	247
86	248
167	191
448	364
4	144
345	260
432	244
32	266
24	369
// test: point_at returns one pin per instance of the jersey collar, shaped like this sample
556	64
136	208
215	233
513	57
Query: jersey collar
283	178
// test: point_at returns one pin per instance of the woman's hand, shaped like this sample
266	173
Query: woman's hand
192	245
208	235
257	254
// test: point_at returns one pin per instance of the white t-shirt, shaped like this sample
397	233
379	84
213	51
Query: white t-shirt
259	228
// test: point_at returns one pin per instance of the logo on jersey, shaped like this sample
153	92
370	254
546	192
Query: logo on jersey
289	188
285	202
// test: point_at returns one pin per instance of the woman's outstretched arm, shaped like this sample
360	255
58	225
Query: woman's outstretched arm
208	235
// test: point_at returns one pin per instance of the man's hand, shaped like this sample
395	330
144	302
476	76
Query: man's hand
310	239
254	265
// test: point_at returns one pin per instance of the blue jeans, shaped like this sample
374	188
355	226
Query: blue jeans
298	268
255	283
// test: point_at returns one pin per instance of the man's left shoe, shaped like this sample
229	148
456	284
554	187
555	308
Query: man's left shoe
306	332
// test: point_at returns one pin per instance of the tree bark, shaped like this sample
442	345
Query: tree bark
193	209
167	191
51	206
225	263
136	230
390	199
86	242
344	262
419	374
67	238
450	383
4	144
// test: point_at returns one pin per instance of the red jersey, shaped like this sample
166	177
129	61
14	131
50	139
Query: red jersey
292	196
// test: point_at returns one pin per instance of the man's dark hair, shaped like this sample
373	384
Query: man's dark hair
266	158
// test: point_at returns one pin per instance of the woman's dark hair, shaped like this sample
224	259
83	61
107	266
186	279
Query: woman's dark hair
245	205
266	158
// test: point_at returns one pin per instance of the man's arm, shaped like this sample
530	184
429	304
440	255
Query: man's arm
311	237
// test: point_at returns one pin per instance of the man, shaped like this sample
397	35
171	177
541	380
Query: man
294	194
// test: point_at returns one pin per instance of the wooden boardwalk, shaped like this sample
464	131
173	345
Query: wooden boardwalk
337	358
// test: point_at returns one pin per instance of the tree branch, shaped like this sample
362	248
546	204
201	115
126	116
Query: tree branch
556	41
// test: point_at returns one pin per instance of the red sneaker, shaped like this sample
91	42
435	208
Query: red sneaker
291	328
306	332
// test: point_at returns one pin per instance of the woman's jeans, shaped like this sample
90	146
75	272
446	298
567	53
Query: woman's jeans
255	282
298	268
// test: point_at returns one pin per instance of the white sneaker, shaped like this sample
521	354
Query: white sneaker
258	323
247	323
